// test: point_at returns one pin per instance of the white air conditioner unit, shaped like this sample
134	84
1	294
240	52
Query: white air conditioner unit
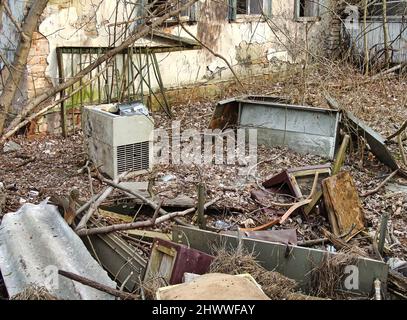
118	138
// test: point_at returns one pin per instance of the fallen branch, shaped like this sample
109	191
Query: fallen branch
398	132
133	194
98	286
402	152
94	206
373	191
141	224
385	72
116	185
25	162
341	244
309	243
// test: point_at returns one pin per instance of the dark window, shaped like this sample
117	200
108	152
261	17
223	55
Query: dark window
394	8
160	7
307	8
249	6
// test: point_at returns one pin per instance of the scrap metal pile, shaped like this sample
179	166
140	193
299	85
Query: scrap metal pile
297	222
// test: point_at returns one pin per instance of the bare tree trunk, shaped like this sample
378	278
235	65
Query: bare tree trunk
138	33
365	37
20	60
385	35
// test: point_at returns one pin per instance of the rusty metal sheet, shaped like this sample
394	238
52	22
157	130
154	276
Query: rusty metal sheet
374	139
292	261
341	196
284	182
171	260
225	115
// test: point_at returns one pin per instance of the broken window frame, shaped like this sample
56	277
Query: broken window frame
189	15
234	15
316	16
391	4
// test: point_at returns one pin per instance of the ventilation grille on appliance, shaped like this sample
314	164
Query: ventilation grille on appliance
133	157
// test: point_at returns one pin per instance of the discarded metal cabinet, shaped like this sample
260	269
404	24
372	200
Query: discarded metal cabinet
300	128
118	142
171	260
343	205
292	261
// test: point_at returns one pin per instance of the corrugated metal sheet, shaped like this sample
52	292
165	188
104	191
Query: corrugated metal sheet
35	242
397	38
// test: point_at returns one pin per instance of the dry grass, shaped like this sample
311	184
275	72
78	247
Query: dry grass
151	286
275	285
328	278
34	292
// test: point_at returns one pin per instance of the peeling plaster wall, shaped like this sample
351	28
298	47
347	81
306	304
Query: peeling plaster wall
250	44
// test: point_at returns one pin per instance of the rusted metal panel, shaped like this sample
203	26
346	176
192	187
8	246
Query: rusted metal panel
287	180
171	260
341	196
225	115
287	236
374	139
291	261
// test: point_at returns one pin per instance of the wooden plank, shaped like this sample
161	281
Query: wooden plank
291	261
330	210
342	199
149	234
340	157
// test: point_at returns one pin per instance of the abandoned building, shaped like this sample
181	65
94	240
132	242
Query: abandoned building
73	33
203	149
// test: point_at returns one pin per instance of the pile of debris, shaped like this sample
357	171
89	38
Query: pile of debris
296	225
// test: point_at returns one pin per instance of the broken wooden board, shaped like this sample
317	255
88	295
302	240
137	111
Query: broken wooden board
146	234
292	261
343	205
115	216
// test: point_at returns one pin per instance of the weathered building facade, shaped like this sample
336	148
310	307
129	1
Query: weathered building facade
373	34
255	37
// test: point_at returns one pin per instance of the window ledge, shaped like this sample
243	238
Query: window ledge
242	18
389	19
308	19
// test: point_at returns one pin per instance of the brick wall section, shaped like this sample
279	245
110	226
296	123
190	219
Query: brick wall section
37	65
37	82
